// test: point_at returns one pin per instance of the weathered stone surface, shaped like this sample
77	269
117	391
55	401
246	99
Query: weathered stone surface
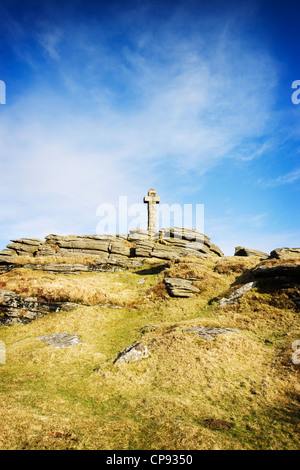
139	234
190	239
209	333
185	234
164	252
133	353
237	294
173	242
196	246
84	243
7	256
112	263
67	252
284	270
185	244
119	247
29	241
8	251
187	252
15	309
71	252
46	250
188	248
52	238
122	262
100	245
60	340
144	248
151	200
114	246
285	253
25	246
242	251
215	249
122	236
22	248
178	287
103	264
101	237
147	248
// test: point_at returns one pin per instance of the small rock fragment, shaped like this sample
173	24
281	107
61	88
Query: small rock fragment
178	287
60	340
237	294
133	353
209	332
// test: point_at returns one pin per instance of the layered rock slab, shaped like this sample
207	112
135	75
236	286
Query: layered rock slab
285	253
178	287
15	309
237	294
242	251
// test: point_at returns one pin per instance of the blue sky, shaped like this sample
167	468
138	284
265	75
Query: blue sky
106	99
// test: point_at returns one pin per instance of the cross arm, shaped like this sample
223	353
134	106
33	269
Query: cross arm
152	199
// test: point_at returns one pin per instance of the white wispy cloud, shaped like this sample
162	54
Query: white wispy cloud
111	120
287	178
49	40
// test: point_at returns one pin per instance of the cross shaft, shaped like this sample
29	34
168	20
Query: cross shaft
152	200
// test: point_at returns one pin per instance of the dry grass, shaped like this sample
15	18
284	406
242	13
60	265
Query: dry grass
208	282
75	398
85	288
233	265
157	293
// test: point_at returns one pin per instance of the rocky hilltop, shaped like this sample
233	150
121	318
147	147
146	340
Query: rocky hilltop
120	251
127	250
67	255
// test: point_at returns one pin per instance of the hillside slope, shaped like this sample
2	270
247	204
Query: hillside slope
232	385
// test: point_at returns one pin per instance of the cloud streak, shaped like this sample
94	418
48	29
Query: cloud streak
109	113
288	178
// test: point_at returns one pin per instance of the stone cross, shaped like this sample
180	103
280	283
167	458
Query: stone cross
152	200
